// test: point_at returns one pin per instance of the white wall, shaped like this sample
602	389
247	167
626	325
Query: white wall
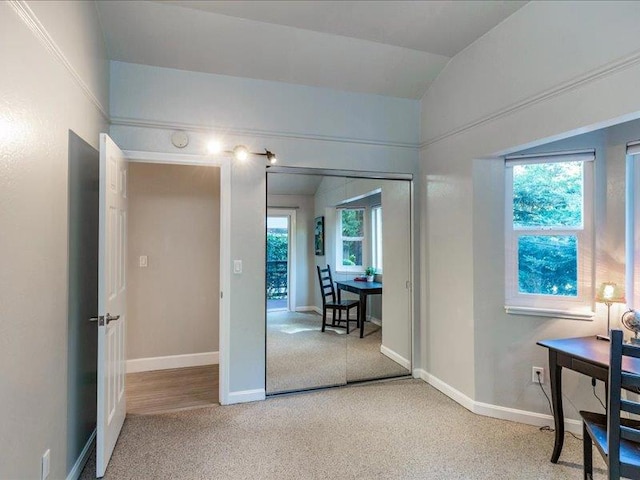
539	76
305	274
305	126
41	98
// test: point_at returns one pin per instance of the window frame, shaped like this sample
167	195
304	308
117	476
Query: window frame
581	306
340	238
376	240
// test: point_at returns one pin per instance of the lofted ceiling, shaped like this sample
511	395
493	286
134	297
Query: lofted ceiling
394	48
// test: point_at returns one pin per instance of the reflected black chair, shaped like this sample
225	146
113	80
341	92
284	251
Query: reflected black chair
617	439
327	289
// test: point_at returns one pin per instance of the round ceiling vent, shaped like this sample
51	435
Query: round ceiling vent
180	139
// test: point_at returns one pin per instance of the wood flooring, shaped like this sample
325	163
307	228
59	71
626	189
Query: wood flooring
162	391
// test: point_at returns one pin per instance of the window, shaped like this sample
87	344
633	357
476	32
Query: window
376	238
549	234
351	238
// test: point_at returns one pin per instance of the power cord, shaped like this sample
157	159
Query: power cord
547	428
593	384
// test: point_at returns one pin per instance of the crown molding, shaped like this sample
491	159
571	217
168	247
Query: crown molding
38	29
606	70
194	127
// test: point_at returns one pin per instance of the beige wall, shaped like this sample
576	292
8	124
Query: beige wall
174	219
40	100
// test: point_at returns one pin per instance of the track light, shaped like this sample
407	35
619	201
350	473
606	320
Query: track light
240	152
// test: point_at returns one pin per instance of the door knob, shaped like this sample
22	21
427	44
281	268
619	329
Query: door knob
101	319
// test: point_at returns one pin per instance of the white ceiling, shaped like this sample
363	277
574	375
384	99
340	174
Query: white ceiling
393	48
292	184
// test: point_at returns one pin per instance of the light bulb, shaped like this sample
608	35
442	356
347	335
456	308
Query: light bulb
214	146
608	292
241	153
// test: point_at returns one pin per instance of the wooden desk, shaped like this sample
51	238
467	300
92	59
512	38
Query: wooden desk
586	355
362	289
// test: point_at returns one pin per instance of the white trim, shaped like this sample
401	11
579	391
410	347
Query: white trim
227	130
224	162
396	357
495	411
245	396
38	29
77	468
548	312
374	320
596	74
172	361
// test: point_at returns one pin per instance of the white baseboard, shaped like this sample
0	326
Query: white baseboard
75	472
495	411
245	396
396	357
172	361
375	321
309	308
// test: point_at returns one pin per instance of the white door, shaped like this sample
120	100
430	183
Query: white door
111	300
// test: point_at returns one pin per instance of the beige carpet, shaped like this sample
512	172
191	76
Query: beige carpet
300	356
402	429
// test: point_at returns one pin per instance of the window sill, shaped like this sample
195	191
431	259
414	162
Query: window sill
548	312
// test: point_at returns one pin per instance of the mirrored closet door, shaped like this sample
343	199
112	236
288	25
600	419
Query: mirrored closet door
339	245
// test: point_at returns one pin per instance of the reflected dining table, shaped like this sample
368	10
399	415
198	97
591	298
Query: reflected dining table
363	290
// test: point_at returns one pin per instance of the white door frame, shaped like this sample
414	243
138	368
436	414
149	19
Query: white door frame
224	163
291	260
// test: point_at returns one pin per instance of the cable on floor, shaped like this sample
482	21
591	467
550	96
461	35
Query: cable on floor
547	428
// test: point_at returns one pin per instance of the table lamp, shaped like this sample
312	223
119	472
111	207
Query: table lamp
609	293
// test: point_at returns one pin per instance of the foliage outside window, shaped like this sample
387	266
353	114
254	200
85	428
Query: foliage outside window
351	239
277	257
549	234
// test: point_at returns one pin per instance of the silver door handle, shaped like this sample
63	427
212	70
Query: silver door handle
101	319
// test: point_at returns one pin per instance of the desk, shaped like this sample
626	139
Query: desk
586	355
362	289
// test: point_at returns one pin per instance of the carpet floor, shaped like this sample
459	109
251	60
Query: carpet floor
300	356
401	429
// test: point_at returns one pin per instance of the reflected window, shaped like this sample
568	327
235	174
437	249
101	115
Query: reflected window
351	239
376	238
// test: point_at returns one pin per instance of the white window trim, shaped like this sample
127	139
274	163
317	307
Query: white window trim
340	268
581	306
632	286
375	240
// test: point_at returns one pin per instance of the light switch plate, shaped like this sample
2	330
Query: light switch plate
237	266
144	261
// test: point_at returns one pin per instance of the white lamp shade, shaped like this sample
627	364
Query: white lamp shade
609	292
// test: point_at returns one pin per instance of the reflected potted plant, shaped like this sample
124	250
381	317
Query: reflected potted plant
369	273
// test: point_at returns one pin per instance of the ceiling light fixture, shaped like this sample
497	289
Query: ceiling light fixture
214	146
240	152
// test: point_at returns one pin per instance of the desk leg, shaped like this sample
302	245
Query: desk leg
363	312
555	372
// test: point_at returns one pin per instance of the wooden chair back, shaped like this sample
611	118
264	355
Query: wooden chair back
326	284
619	380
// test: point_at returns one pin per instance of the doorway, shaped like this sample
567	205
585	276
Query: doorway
281	260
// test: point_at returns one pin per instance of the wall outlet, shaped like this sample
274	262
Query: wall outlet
46	464
534	374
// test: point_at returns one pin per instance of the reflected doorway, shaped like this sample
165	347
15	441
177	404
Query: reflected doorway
280	262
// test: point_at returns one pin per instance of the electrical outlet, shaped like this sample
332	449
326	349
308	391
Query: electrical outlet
46	464
537	374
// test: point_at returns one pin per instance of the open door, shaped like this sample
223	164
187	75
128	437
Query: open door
112	290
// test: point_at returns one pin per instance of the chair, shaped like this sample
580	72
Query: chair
328	290
617	439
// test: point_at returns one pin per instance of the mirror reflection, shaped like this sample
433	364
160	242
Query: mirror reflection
337	280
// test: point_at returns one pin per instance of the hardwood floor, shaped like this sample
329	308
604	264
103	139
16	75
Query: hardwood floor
164	391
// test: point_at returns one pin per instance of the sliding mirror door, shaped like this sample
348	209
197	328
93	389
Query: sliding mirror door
299	355
349	225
